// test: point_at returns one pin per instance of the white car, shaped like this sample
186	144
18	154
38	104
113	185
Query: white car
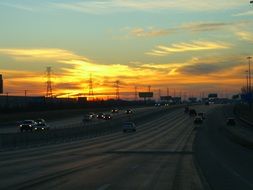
129	126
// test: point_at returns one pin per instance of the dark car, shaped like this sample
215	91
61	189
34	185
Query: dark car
92	115
27	125
207	103
202	115
198	120
100	116
186	109
231	121
87	118
129	111
107	117
40	121
129	126
192	112
41	127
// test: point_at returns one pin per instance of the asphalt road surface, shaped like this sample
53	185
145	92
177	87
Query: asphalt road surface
225	164
159	155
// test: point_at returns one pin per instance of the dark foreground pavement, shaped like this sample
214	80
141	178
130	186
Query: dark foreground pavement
226	164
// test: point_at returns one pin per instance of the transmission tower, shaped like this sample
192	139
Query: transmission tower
159	93
117	89
135	93
49	93
91	94
149	88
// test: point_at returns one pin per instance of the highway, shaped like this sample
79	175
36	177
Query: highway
164	153
59	122
158	156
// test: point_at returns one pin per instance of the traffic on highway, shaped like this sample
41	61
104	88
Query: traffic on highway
162	148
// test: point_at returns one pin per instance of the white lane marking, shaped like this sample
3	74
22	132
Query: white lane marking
104	187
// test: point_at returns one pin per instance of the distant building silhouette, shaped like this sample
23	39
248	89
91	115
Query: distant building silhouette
1	85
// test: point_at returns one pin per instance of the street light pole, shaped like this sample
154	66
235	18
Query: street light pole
247	81
249	58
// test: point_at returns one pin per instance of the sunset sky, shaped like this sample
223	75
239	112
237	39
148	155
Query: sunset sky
190	46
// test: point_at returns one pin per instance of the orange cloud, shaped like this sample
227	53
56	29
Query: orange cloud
73	77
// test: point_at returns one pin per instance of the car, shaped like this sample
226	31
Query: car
231	121
40	121
107	117
202	115
41	127
192	112
100	116
157	105
114	110
129	111
27	125
92	115
87	118
207	103
198	120
129	126
186	109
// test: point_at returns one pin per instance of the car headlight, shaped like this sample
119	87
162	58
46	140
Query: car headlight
36	128
30	125
42	128
20	125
